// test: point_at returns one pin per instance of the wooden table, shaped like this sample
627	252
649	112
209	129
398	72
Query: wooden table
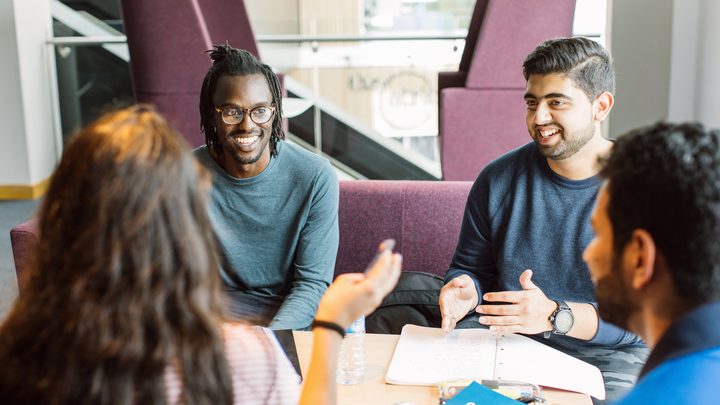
373	390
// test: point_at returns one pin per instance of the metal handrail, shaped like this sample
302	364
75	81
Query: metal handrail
320	104
122	39
88	41
357	38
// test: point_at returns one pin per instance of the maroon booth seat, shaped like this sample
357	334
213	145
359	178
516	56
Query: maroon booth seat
422	216
481	106
167	40
23	239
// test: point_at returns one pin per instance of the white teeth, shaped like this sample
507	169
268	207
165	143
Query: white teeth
548	132
247	140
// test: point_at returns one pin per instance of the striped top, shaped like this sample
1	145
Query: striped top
261	373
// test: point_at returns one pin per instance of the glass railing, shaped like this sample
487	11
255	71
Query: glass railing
84	91
390	141
91	58
335	133
380	90
385	83
374	95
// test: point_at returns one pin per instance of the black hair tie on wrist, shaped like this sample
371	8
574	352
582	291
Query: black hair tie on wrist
328	325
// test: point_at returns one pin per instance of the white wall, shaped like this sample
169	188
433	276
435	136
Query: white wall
27	138
708	82
667	61
640	36
13	148
684	64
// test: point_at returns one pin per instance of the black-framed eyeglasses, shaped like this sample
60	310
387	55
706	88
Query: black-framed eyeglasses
234	115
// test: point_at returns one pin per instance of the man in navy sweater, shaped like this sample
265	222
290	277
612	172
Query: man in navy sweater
526	221
655	258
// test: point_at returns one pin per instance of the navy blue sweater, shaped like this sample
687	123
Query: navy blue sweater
522	215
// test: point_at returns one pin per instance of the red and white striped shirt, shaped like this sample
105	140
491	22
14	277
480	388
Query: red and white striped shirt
260	371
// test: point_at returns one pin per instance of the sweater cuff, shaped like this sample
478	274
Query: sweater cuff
455	273
610	335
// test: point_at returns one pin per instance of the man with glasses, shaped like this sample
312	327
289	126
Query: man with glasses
273	205
518	265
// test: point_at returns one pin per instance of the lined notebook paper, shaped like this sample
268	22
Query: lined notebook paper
427	356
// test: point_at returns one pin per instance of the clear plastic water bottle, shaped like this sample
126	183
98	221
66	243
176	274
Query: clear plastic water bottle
351	365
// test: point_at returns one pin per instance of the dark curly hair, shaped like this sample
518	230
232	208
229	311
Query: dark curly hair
124	282
236	62
665	179
585	61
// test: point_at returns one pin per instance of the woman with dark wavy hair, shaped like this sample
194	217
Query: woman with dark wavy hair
123	303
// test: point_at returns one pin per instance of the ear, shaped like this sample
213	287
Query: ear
602	105
641	254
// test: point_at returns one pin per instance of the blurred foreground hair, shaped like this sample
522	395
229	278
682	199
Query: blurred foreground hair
125	279
665	179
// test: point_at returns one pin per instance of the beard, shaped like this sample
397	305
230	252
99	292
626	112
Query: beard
569	146
614	298
244	158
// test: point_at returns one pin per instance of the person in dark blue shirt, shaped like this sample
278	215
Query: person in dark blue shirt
655	258
518	263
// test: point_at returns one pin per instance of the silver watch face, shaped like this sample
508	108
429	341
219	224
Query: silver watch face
564	321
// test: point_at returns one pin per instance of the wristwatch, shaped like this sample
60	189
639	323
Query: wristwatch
561	319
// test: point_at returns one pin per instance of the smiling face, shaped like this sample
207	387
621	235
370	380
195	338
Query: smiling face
245	150
559	115
616	301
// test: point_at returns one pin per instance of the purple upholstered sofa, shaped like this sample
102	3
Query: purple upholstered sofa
167	41
24	239
422	216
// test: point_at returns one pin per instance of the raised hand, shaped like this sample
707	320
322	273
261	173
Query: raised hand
526	311
457	298
355	294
